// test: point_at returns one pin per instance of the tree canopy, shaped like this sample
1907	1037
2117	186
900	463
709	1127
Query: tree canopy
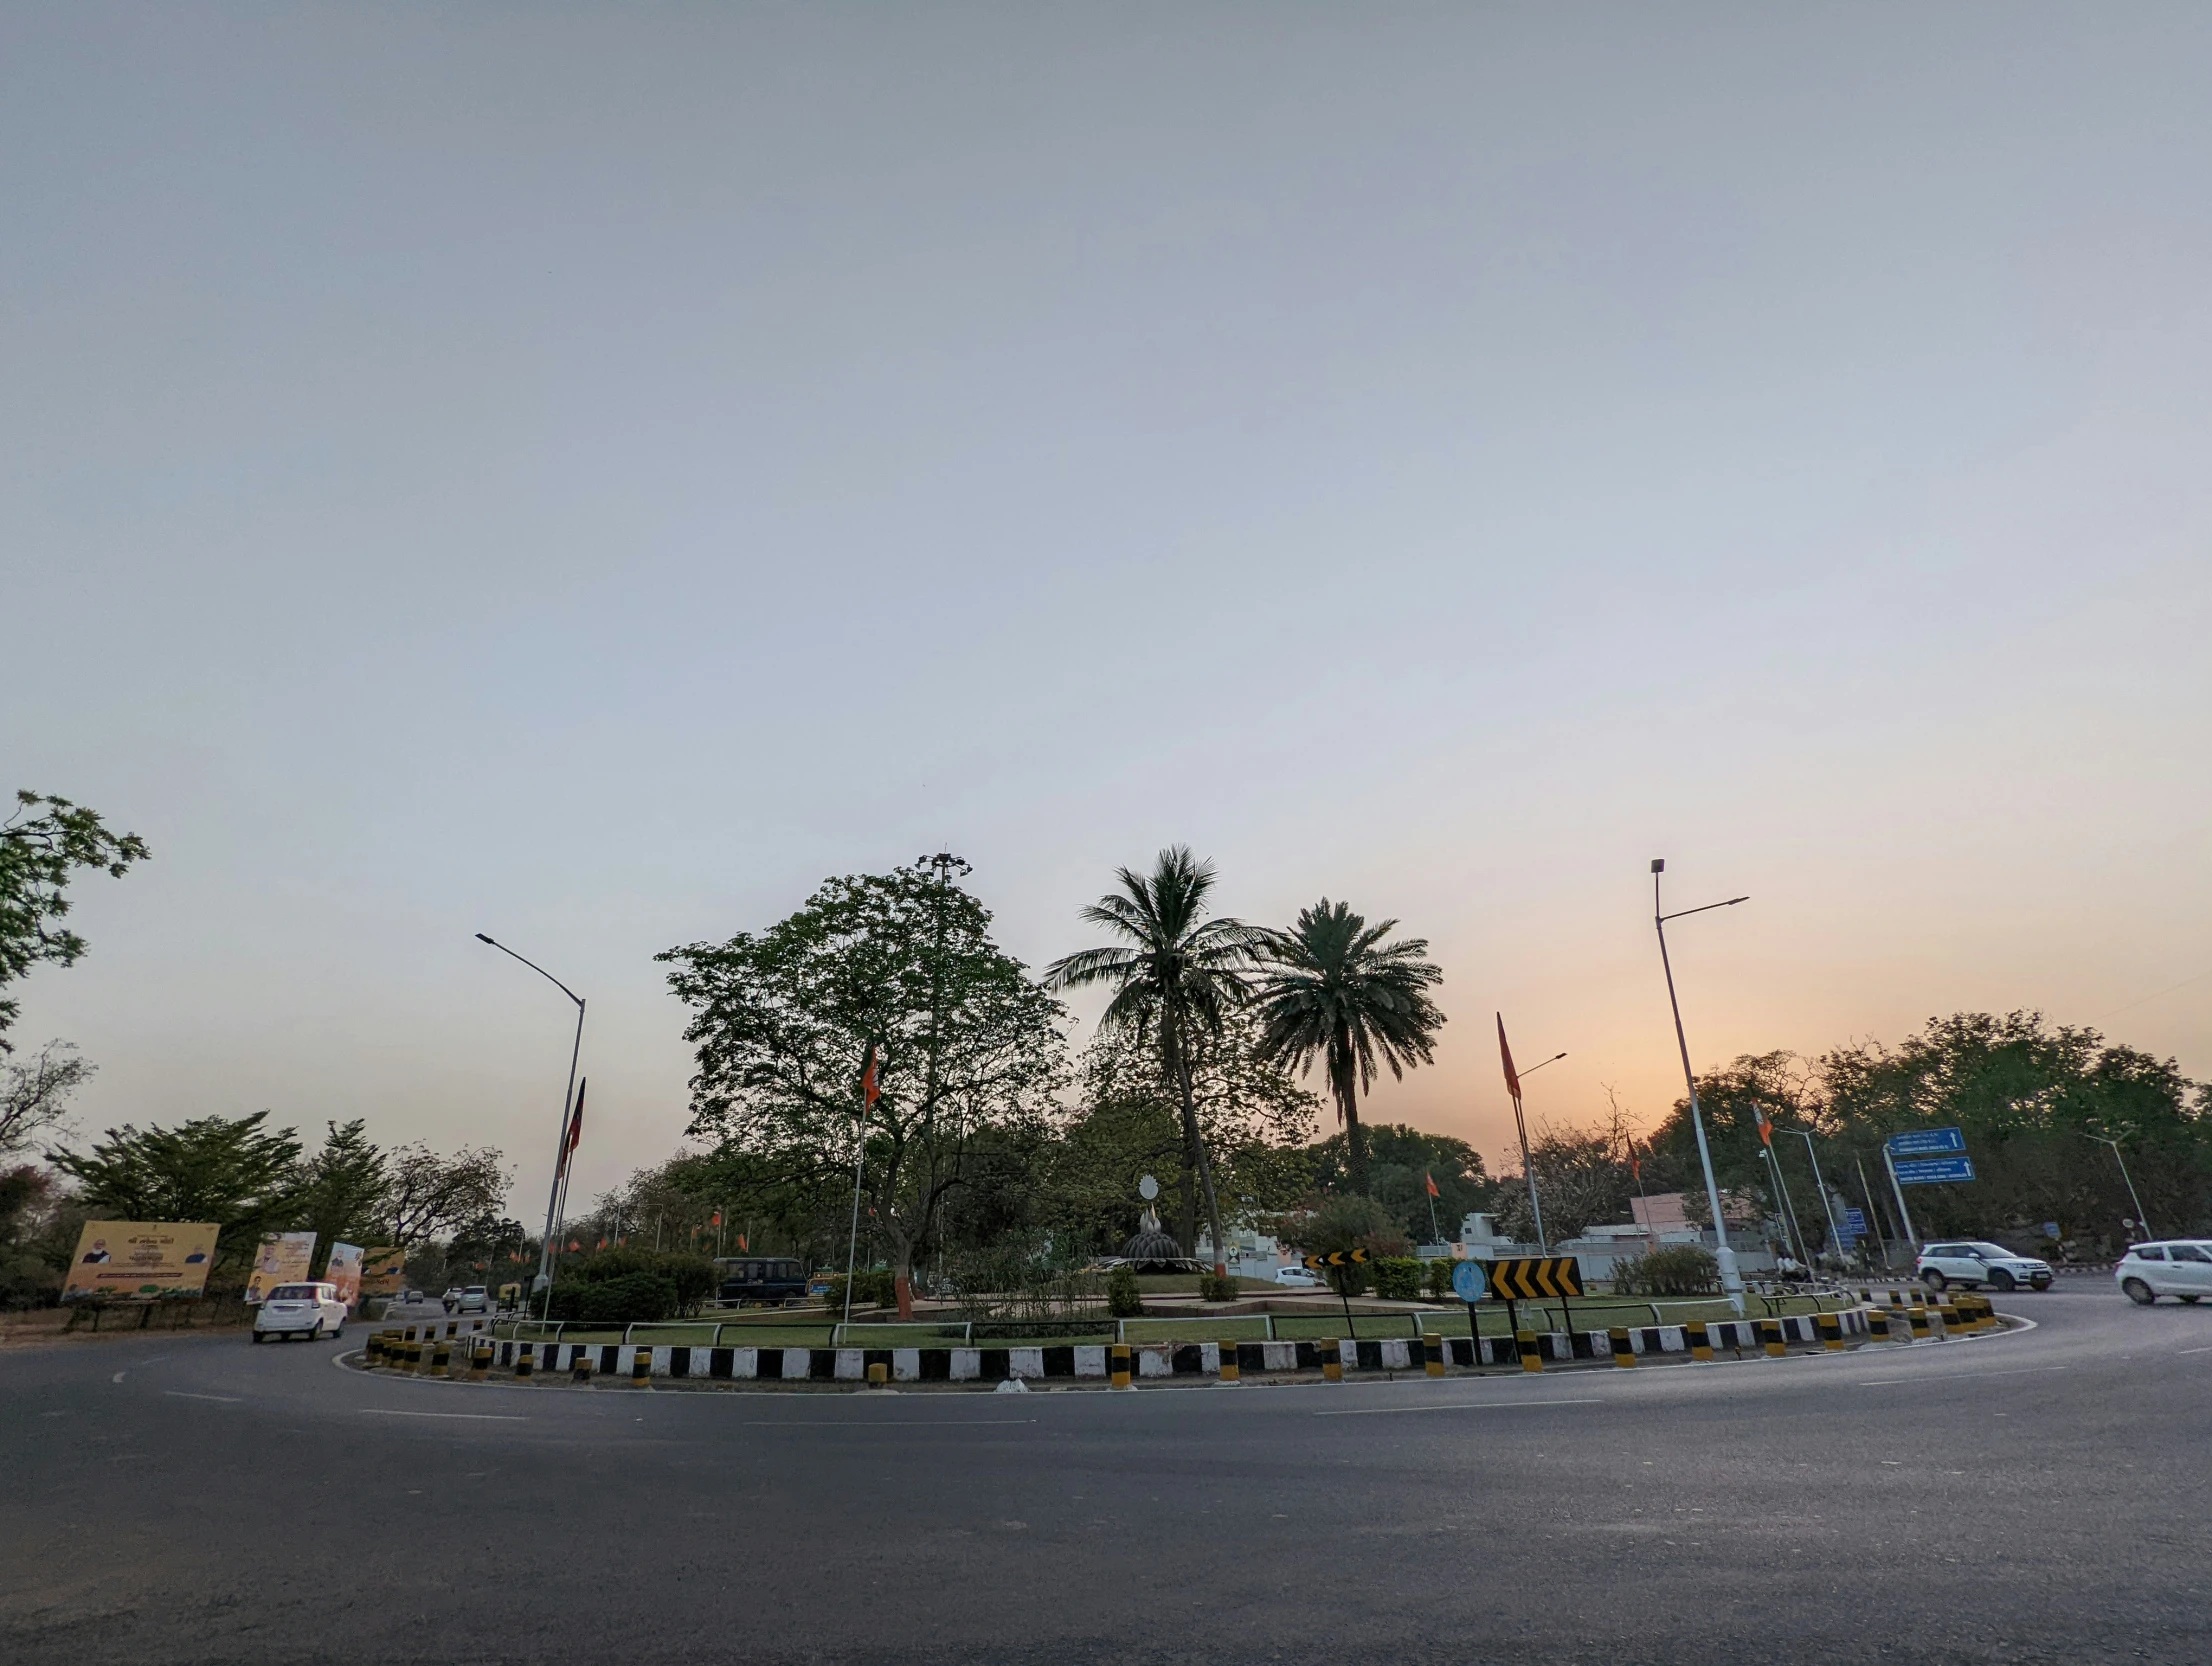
42	843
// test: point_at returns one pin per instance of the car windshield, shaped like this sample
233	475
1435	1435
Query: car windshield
293	1293
1990	1252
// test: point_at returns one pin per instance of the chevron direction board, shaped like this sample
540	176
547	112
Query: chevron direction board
1337	1258
1532	1278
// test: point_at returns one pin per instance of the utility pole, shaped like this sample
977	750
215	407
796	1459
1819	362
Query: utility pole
1731	1280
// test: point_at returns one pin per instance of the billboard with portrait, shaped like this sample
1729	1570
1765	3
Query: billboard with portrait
140	1259
345	1271
383	1272
283	1258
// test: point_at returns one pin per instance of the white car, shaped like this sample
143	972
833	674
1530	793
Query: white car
1298	1278
2149	1271
310	1310
1975	1264
475	1299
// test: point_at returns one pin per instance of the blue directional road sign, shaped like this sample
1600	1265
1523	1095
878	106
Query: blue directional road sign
1468	1281
1935	1171
1926	1142
1854	1221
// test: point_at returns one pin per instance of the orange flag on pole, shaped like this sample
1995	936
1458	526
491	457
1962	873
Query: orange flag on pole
1431	1179
1512	1077
868	1091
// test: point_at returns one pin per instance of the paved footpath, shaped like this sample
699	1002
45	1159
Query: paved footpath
2041	1496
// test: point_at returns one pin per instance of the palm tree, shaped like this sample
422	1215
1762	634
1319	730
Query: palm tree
1176	974
1333	988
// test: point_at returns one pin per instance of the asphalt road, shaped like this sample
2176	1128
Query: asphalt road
2043	1496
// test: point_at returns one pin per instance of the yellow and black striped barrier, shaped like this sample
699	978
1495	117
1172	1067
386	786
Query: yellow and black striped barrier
480	1361
1432	1353
1532	1355
1118	1365
1877	1324
580	1372
1770	1338
879	1375
1231	1371
1916	1317
1831	1332
641	1366
1624	1351
1332	1362
526	1362
1701	1342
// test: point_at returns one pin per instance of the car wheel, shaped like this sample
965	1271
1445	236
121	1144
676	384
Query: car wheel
2192	1300
1934	1280
2040	1283
2138	1292
2001	1281
315	1333
260	1337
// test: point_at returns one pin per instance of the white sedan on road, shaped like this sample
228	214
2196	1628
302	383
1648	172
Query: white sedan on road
310	1310
1978	1265
2149	1271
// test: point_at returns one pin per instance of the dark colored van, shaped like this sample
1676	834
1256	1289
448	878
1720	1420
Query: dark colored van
772	1279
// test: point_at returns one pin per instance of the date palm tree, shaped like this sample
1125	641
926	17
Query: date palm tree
1334	989
1175	976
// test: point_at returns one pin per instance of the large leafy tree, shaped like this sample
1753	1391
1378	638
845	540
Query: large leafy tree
232	1171
1401	1161
1256	1119
34	1096
1335	991
429	1196
42	843
1176	976
343	1189
901	965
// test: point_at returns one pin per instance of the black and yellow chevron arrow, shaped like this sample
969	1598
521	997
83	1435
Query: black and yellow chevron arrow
1532	1278
1344	1258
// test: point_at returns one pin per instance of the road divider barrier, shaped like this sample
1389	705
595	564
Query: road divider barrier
1125	1363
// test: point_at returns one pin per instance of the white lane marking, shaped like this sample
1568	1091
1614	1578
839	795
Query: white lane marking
118	1377
2197	1350
470	1416
900	1423
181	1394
1459	1405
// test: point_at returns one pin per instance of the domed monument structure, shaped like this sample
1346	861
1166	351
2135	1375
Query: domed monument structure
1153	1249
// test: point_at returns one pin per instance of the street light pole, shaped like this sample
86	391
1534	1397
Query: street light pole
2124	1175
1528	1167
1731	1281
544	1280
1821	1186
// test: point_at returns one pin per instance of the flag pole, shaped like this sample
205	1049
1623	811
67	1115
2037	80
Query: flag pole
860	1148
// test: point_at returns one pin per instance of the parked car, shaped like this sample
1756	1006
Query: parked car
2149	1271
310	1310
775	1280
475	1299
1976	1264
1298	1278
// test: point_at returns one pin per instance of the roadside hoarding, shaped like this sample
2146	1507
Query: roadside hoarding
345	1271
383	1271
140	1259
283	1258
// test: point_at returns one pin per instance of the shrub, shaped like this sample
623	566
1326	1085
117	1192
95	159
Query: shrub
1217	1287
1677	1270
1440	1277
652	1285
1398	1278
876	1286
1123	1299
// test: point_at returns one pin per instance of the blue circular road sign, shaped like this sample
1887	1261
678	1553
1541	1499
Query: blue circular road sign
1469	1282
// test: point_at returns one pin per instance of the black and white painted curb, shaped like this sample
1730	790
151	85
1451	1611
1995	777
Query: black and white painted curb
1148	1361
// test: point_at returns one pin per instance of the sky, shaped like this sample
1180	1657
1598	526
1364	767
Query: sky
586	474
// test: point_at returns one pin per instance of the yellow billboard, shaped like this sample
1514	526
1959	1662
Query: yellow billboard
383	1272
140	1258
283	1258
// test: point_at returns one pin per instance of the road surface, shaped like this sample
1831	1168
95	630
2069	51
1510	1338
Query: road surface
2044	1496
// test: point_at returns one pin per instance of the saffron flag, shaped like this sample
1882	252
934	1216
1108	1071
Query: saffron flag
1766	1128
575	1127
1431	1179
1512	1077
741	1244
1635	1164
868	1091
717	1221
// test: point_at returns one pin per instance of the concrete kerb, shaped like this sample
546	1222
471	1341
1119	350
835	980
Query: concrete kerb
615	1366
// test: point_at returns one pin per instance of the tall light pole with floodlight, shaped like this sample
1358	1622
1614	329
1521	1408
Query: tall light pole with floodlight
1731	1281
544	1280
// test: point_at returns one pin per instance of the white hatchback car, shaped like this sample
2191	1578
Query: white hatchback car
2149	1271
310	1310
1976	1264
1298	1278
